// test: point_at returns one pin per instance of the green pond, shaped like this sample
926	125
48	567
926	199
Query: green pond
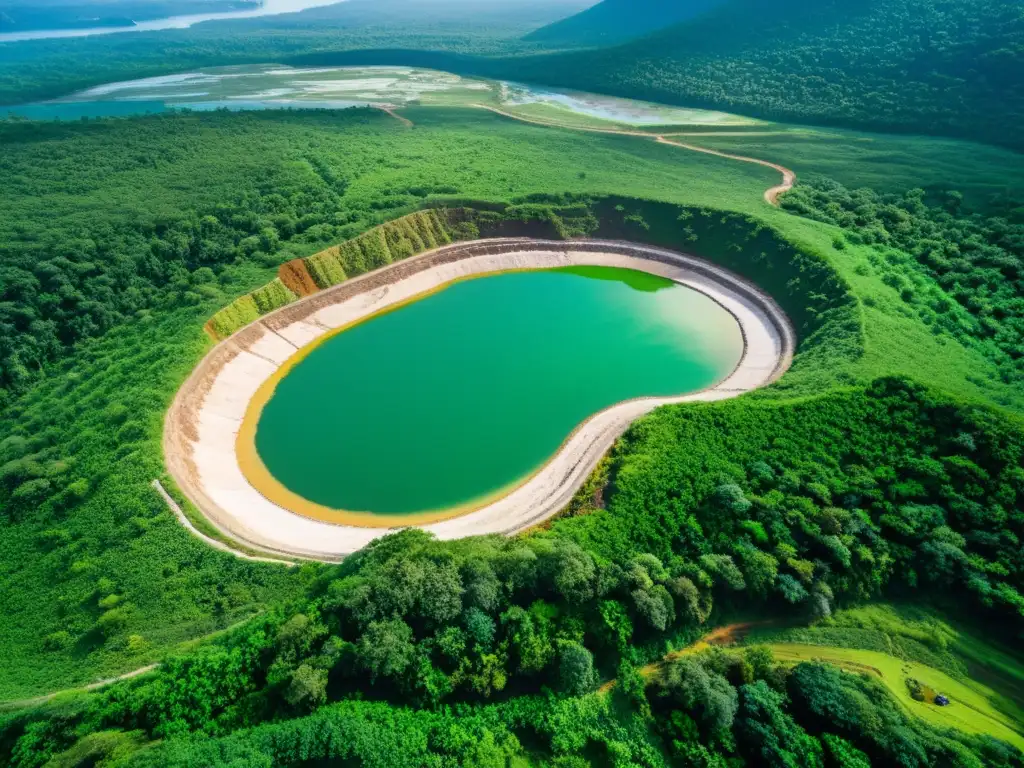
467	391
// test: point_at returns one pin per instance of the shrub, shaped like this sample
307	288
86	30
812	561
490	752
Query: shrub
113	622
237	314
576	670
271	296
326	268
58	641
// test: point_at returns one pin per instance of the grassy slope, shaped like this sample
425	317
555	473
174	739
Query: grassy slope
896	343
971	707
900	640
882	161
886	163
178	588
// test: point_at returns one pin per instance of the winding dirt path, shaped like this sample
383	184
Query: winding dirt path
771	195
183	519
729	634
390	110
35	702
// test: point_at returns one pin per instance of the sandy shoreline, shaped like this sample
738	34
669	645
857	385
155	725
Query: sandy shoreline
202	427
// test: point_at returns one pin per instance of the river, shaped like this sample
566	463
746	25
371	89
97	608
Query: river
270	8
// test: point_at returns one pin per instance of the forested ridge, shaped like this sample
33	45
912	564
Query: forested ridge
954	67
614	21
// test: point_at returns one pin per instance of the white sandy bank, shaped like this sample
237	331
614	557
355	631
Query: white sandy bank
203	423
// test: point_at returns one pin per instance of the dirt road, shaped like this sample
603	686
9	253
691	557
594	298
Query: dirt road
771	195
34	702
730	634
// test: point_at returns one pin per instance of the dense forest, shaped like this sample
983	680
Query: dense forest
616	21
954	67
795	508
973	264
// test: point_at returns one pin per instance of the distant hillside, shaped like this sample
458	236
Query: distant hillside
616	21
937	66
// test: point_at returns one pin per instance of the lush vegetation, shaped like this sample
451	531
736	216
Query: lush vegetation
990	178
953	67
960	272
716	709
792	506
845	482
615	21
918	654
922	633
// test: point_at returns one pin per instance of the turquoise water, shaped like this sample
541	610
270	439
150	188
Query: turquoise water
463	393
75	110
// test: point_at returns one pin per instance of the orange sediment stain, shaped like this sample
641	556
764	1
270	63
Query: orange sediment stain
297	279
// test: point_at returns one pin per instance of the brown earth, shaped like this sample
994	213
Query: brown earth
729	634
296	278
390	110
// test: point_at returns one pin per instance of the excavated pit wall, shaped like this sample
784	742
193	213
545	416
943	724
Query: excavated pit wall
204	420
